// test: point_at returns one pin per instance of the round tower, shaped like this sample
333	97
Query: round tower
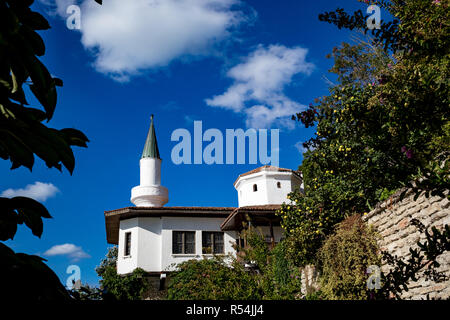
267	185
150	192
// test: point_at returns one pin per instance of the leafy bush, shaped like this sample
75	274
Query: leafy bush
121	287
314	296
281	280
344	259
272	276
277	277
256	249
384	123
212	279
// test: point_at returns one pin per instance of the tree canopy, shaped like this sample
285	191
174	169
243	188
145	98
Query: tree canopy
384	124
24	135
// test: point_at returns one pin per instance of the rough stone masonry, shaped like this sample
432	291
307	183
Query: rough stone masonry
392	221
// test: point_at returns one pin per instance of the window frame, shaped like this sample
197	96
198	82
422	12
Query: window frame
183	242
127	244
212	240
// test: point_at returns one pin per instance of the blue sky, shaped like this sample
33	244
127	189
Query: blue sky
229	64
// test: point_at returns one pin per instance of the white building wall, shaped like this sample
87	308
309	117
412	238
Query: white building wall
126	264
267	188
149	244
277	195
246	195
197	224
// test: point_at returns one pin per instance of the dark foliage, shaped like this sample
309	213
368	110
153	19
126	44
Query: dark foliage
24	135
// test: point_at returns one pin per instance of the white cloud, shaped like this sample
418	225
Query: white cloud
74	252
258	86
299	146
39	191
128	37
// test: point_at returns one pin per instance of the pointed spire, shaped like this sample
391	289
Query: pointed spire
151	145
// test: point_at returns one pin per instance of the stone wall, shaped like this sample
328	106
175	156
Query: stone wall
392	221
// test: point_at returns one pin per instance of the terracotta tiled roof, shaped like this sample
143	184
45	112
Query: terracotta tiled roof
260	211
268	168
113	217
170	209
264	207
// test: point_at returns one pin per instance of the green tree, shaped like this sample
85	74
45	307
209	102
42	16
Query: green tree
257	272
384	123
277	277
212	279
121	287
24	135
344	259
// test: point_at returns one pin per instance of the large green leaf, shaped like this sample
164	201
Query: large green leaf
20	210
29	205
8	220
62	148
43	86
36	21
21	132
74	137
34	39
32	137
18	152
27	277
31	213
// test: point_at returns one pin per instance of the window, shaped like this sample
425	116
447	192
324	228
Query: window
183	242
212	242
127	244
240	243
279	185
255	188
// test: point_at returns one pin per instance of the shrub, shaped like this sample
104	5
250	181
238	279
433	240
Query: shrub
384	123
256	249
281	280
212	279
121	287
274	277
344	258
278	278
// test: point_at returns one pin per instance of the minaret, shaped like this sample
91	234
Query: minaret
150	192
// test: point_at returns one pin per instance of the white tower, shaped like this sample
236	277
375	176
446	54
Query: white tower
150	192
267	185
